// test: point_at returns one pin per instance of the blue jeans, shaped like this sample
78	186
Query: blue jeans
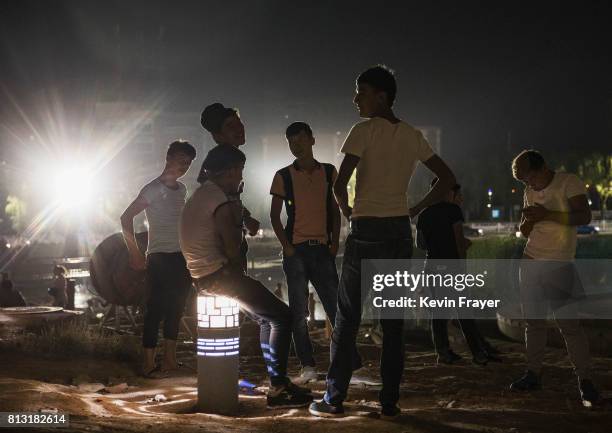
370	238
271	313
312	264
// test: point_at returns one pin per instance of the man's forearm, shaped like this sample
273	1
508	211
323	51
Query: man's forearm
337	221
569	218
127	229
279	231
525	227
341	196
436	193
232	251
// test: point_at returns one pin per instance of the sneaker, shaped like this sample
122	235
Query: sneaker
489	348
589	395
285	398
326	410
308	374
296	389
480	359
390	412
493	358
448	357
528	382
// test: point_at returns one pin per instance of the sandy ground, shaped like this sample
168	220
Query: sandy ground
435	399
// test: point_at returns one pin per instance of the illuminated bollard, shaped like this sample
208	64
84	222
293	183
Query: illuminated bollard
218	352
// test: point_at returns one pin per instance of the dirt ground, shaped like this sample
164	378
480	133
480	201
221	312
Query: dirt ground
435	399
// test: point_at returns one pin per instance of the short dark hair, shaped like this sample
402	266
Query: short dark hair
221	158
181	146
533	158
296	127
381	78
59	269
214	115
456	187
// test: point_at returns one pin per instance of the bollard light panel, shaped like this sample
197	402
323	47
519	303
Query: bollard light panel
217	312
218	349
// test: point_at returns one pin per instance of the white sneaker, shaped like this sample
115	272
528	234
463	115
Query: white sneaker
308	374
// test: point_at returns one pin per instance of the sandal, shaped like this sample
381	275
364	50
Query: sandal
154	373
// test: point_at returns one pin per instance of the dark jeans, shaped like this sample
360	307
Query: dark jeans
439	333
271	313
370	238
170	283
312	264
440	318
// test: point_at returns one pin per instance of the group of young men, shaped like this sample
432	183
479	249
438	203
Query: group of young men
201	241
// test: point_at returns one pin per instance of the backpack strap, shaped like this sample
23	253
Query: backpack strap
329	173
285	174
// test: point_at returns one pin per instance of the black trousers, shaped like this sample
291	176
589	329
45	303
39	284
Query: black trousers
170	284
439	333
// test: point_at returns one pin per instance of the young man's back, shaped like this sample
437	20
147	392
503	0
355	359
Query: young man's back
435	227
389	153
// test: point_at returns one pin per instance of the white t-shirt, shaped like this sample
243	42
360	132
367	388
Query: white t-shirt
388	156
163	212
200	243
550	240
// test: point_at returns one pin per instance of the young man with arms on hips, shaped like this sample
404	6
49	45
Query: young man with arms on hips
310	237
554	204
210	236
162	200
384	150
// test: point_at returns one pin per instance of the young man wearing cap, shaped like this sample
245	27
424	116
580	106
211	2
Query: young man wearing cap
210	236
310	237
162	200
555	203
384	150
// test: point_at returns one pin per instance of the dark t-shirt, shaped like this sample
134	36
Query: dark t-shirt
10	297
435	230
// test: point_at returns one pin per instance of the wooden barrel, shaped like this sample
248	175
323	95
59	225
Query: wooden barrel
111	275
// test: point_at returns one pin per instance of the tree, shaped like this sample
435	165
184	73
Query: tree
17	212
596	170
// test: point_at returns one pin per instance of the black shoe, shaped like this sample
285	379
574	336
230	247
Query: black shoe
326	410
529	382
390	412
296	389
285	398
448	357
489	348
492	358
480	358
589	395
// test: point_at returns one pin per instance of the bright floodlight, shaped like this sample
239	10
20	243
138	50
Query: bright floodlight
72	187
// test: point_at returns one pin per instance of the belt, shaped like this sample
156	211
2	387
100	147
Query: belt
311	243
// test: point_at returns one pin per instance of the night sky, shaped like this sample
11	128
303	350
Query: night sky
541	72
